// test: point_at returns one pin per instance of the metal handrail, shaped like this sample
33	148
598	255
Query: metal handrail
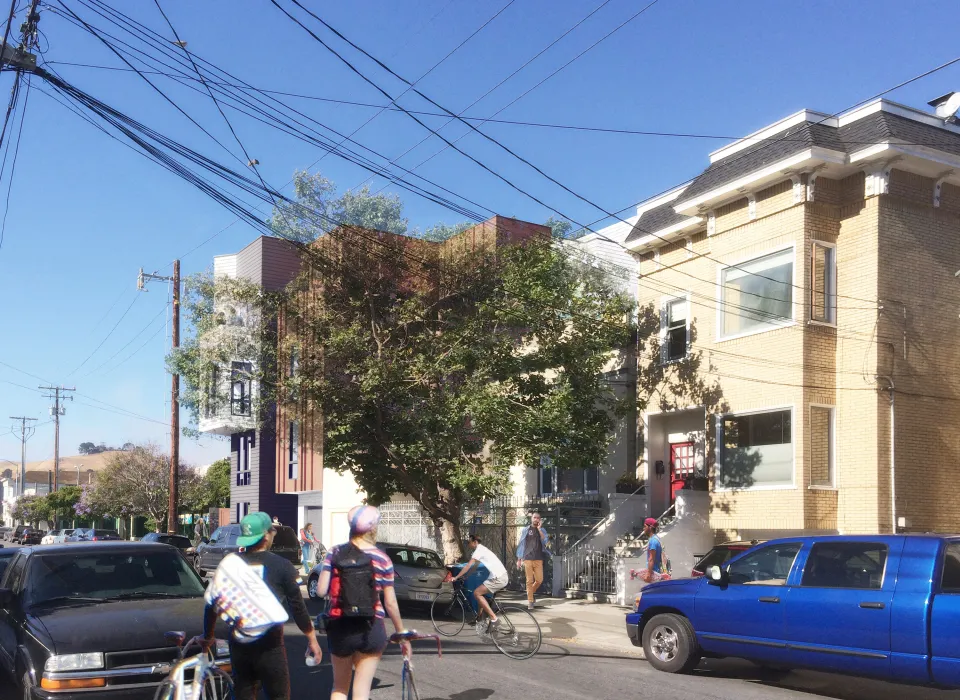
592	529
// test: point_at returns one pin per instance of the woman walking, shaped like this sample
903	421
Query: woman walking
355	575
308	544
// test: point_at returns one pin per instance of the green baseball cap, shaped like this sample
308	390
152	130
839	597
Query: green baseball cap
253	527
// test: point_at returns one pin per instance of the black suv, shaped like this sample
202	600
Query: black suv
223	541
90	620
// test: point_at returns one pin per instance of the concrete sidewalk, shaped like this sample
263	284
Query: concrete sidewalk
585	622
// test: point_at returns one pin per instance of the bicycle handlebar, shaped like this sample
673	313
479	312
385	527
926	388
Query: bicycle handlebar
414	636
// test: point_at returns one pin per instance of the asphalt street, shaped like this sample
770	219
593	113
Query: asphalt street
474	670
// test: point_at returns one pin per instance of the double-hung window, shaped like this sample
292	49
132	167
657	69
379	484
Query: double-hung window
823	283
757	295
756	450
674	325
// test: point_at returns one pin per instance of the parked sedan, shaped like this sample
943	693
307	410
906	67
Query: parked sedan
89	534
419	573
56	537
223	541
32	536
5	533
90	620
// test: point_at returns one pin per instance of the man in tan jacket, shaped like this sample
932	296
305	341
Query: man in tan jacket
533	546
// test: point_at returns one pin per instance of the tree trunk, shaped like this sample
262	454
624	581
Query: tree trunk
452	541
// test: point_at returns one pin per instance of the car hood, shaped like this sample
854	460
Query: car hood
671	584
117	626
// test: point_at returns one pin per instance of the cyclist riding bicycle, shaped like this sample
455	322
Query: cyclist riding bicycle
497	581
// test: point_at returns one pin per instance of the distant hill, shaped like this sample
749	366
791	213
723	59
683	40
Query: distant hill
39	472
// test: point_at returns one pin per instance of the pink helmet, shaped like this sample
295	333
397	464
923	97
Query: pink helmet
363	519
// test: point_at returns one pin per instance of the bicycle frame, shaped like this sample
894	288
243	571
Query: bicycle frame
203	666
408	689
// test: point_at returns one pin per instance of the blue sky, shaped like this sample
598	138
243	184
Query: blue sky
86	213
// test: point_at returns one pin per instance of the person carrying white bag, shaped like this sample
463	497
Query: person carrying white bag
253	591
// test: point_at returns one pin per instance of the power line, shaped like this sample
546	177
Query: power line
106	337
13	165
128	343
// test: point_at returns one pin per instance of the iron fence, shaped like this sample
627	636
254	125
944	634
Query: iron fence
590	570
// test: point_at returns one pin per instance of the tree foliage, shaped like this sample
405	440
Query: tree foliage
212	490
135	483
32	509
434	388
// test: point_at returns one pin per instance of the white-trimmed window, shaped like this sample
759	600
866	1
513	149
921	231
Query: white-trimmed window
674	329
823	446
756	450
823	283
757	295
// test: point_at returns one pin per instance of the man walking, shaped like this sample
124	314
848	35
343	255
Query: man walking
262	661
534	543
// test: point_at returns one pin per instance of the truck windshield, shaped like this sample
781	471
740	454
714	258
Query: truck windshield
106	575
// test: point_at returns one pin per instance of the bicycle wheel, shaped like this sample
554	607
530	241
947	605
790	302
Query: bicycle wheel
518	633
217	685
448	614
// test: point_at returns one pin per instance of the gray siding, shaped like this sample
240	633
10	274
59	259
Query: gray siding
270	262
244	494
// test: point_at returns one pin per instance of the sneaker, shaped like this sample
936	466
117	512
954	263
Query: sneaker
531	606
493	626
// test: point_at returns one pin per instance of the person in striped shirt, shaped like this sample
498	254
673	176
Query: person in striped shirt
357	643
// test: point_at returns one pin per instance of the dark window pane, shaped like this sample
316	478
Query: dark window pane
768	566
950	583
845	565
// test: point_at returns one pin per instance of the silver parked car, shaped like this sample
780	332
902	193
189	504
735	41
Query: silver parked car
419	573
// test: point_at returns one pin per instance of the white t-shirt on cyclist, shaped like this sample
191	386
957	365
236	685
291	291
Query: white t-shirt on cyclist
489	560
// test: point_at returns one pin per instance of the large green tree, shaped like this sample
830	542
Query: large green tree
433	381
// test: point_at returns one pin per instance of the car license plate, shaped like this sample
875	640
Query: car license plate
428	597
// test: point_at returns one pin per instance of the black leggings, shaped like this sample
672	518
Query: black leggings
254	666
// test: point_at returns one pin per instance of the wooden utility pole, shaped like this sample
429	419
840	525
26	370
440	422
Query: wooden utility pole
24	431
58	394
173	521
173	506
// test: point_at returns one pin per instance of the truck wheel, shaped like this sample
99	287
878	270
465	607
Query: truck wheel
670	645
312	586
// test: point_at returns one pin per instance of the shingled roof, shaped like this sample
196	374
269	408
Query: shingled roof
875	128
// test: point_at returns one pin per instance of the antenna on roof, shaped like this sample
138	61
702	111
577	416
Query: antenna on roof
947	106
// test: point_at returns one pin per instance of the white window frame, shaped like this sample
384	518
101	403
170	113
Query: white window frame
787	322
718	428
832	321
833	447
665	301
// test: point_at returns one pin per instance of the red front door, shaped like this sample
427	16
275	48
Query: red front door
681	467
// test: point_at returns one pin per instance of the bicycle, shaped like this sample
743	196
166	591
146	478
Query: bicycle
207	680
408	688
517	634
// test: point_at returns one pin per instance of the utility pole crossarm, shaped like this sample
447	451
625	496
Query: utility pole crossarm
25	432
58	394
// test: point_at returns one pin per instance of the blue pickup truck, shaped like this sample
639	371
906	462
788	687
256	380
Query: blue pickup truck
883	606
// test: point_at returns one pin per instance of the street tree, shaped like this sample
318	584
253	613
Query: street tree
212	490
433	381
32	510
136	483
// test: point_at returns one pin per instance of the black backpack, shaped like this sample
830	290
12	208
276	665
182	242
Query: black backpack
358	590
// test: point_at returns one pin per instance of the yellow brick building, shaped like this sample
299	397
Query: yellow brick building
816	261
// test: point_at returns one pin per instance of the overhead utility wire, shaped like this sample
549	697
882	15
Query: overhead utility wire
746	293
424	75
507	149
501	83
363	162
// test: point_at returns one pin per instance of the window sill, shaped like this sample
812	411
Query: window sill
787	324
726	489
674	361
823	324
814	487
